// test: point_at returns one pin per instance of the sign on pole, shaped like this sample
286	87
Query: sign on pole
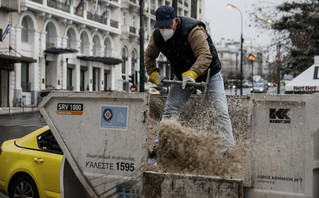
133	88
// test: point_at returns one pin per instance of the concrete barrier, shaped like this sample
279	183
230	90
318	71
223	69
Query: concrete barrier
167	185
284	152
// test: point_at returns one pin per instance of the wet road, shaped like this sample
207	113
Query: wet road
271	91
15	126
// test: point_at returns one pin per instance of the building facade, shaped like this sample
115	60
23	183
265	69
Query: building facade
229	54
77	45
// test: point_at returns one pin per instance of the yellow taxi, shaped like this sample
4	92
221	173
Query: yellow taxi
30	166
152	91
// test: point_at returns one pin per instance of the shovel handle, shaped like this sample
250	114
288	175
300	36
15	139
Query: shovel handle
177	82
195	84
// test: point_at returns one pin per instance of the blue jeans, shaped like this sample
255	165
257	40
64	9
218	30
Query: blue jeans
216	99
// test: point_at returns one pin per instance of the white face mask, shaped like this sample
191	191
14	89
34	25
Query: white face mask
167	33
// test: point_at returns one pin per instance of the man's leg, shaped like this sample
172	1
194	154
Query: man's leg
177	98
217	101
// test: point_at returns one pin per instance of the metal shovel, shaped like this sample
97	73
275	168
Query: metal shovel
191	84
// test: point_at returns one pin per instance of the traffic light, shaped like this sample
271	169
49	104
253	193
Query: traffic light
132	78
277	58
251	57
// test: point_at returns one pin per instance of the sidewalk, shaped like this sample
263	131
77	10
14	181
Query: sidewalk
17	110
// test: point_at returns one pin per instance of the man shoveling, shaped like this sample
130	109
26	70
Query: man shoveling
192	54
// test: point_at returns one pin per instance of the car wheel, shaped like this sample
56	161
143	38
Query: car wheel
24	186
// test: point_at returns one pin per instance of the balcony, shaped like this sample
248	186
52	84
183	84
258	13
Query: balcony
11	6
79	12
38	1
133	30
129	31
65	13
97	18
112	3
185	4
131	4
114	24
58	5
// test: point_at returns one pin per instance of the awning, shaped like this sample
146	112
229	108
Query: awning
7	62
55	50
105	60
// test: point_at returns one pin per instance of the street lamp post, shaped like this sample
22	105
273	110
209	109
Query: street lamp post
278	68
142	67
252	58
230	6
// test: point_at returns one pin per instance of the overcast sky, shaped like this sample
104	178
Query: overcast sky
226	23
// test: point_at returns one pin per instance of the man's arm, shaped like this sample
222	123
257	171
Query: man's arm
150	56
197	40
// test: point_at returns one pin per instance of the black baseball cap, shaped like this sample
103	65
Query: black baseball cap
164	16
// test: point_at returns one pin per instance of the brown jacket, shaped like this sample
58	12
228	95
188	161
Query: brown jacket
197	40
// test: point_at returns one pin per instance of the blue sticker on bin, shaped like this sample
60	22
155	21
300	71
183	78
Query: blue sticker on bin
114	117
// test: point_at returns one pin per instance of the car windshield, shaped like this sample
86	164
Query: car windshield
258	85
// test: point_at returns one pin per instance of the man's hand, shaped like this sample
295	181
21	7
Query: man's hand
156	79
188	76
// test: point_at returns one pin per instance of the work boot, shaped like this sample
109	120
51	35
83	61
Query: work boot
152	157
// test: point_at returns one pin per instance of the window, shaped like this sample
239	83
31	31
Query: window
25	83
46	141
51	36
69	79
124	18
97	46
82	79
134	61
153	5
134	20
105	49
82	44
105	81
96	79
25	31
124	58
69	39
